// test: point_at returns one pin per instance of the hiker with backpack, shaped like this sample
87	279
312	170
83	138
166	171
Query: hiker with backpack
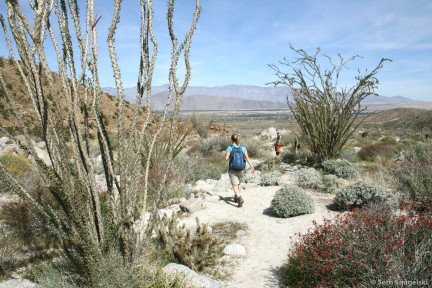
237	156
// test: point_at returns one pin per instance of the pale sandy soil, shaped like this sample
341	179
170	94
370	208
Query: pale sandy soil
267	239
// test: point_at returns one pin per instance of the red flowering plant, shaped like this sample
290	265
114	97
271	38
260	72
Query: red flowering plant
361	247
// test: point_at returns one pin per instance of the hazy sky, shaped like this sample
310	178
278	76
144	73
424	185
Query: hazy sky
236	39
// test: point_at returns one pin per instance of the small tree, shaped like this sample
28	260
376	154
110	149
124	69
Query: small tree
325	112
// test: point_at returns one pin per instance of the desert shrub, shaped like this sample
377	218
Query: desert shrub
305	158
330	184
291	201
161	188
210	146
359	248
414	176
349	155
377	150
388	140
308	178
341	168
194	169
112	272
254	147
16	164
360	194
202	123
271	179
199	250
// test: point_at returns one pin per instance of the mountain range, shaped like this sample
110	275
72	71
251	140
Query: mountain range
249	97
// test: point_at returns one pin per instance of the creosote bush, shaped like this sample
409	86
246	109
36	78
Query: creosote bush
308	178
339	167
360	194
359	248
292	201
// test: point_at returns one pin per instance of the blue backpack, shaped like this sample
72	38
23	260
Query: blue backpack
237	159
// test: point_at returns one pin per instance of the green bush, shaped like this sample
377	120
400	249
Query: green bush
414	176
271	179
349	155
331	184
359	249
308	178
360	194
16	164
291	201
341	168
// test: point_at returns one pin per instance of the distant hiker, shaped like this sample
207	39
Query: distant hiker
278	137
277	148
237	156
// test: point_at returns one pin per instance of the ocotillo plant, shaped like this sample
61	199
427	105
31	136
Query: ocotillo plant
66	107
325	112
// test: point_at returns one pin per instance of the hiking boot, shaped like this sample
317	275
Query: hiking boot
240	201
236	199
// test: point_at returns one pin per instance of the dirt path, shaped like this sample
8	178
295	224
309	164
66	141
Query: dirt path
267	239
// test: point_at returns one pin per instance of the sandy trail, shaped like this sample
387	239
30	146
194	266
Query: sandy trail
268	238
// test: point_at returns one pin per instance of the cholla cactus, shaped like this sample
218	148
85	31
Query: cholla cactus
197	250
67	108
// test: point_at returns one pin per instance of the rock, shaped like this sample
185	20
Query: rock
41	145
234	250
21	138
197	280
268	134
357	149
43	155
4	141
192	205
240	233
18	283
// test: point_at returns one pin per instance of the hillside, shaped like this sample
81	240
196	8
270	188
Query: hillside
18	92
409	118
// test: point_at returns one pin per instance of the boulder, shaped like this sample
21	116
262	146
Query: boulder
192	205
192	277
234	250
268	134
